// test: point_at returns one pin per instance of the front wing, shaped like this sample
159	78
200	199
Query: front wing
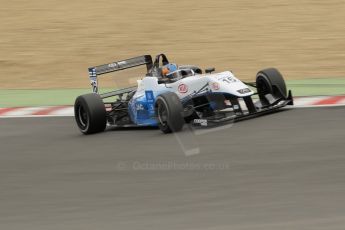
226	116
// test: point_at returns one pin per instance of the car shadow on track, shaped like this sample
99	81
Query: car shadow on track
143	128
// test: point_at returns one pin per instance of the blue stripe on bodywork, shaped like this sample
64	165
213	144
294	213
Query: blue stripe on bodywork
142	110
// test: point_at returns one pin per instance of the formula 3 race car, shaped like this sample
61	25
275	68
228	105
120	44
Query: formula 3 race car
170	96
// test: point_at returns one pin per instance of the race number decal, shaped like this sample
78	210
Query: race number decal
229	80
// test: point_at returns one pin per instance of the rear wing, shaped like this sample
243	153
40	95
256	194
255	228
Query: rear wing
116	66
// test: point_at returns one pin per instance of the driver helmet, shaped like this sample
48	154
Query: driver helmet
169	68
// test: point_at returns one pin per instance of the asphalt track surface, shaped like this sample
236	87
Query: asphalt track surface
281	171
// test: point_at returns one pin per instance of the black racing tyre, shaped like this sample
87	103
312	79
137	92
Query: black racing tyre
270	81
169	111
90	113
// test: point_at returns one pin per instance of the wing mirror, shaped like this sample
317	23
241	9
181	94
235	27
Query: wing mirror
210	70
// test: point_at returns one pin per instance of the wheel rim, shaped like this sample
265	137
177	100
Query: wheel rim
263	87
82	117
162	114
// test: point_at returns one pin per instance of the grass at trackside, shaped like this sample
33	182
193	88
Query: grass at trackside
40	97
12	98
315	87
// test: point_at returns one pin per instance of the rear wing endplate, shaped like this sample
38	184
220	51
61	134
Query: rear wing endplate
116	66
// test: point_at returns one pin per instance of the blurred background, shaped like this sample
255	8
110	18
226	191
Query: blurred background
50	44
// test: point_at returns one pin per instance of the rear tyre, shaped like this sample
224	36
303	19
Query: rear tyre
270	81
90	113
169	112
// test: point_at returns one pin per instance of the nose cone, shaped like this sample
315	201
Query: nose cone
226	82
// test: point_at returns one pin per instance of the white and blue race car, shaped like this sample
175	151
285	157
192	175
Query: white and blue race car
170	96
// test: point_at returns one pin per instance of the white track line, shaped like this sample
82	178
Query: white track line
68	111
312	106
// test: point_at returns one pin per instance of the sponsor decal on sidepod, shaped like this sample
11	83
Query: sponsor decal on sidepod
183	88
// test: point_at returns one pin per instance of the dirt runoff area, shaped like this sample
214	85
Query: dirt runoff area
51	43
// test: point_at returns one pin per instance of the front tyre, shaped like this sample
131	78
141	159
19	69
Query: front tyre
271	81
90	113
169	112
